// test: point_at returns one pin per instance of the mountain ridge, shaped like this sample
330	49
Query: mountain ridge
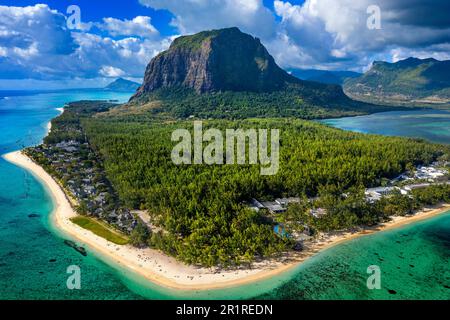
121	84
226	73
411	80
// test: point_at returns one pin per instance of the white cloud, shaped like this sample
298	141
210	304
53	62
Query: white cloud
335	32
35	44
197	15
438	52
130	54
111	72
38	26
331	34
139	26
32	39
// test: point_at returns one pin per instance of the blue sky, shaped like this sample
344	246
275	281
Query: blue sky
96	10
119	38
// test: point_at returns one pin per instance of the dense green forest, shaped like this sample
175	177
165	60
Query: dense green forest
202	209
137	158
200	212
305	102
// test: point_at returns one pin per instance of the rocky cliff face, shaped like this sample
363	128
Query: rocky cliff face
218	60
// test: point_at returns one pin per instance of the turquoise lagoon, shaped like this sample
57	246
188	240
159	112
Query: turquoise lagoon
433	125
414	259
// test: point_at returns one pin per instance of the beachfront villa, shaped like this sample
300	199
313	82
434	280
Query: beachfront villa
432	174
274	207
278	206
429	173
375	194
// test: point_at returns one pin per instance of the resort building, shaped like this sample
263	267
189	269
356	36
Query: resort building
429	173
256	205
317	213
273	207
375	194
284	202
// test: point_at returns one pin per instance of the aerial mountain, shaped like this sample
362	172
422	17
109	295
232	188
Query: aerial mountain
408	81
122	85
324	76
227	73
218	60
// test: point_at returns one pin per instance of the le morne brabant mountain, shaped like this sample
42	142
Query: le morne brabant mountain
122	85
411	81
227	73
118	157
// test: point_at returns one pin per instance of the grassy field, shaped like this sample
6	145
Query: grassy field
100	229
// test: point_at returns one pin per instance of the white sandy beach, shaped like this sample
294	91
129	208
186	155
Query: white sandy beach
168	272
49	124
49	127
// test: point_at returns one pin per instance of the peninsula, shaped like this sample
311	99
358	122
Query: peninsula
191	226
167	271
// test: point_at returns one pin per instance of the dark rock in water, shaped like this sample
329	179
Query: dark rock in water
77	248
69	243
52	260
446	287
392	291
33	215
82	251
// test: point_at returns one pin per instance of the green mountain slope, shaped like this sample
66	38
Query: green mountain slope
227	73
411	80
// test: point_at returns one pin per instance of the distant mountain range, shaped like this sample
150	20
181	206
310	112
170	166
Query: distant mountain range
324	76
123	85
411	81
227	73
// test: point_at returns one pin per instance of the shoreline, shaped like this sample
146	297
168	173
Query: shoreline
166	271
49	124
